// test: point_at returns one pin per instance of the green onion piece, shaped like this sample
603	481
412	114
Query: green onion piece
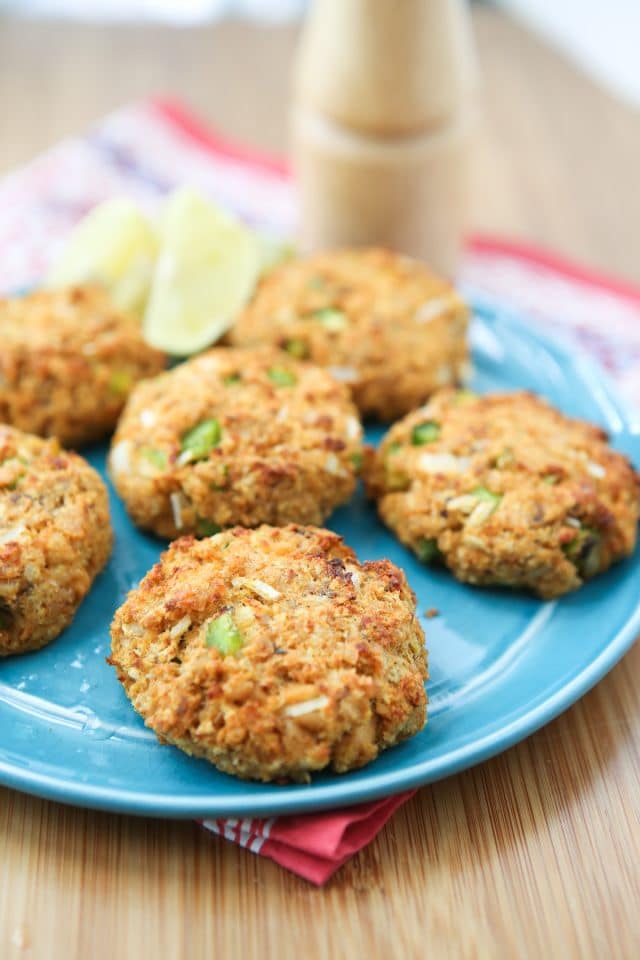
231	378
486	495
395	479
592	561
12	484
331	319
157	457
465	396
282	377
207	528
316	282
201	439
550	478
425	432
584	551
16	480
427	550
120	382
297	348
223	634
357	459
505	459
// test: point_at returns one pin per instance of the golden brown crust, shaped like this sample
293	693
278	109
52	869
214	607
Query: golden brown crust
331	666
55	536
506	490
288	449
68	361
382	322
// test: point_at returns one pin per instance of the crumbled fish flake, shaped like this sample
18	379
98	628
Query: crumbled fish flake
264	590
344	374
148	418
307	706
481	513
185	457
13	533
431	309
176	509
120	458
180	627
333	466
353	428
465	503
442	463
596	470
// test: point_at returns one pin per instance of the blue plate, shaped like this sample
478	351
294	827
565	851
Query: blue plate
501	663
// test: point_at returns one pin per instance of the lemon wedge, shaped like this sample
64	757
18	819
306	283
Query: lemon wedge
206	270
115	246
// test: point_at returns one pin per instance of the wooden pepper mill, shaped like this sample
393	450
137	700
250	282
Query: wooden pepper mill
384	114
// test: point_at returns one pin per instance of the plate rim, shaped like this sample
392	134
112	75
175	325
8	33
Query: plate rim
343	793
331	796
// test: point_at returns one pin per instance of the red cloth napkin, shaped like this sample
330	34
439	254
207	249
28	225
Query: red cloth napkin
313	845
146	149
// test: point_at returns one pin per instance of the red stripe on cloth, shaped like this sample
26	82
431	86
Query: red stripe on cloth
529	253
183	119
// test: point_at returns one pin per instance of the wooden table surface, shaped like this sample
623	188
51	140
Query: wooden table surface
533	854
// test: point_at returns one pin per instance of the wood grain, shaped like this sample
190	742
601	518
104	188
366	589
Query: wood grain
535	853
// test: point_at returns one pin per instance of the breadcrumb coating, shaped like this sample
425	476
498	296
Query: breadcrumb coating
68	361
273	653
55	536
236	437
381	322
506	490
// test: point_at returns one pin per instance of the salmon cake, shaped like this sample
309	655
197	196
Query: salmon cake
68	362
236	437
273	653
381	322
55	536
506	490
